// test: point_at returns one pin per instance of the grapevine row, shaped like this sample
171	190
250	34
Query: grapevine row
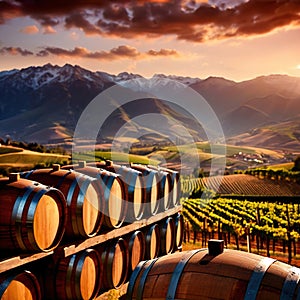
268	219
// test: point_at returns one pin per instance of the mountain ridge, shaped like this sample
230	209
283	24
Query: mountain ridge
49	99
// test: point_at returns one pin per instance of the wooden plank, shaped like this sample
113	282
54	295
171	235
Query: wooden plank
17	261
91	242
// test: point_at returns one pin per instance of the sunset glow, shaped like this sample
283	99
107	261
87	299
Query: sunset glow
238	40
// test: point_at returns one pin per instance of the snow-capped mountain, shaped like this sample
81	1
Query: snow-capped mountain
44	103
181	79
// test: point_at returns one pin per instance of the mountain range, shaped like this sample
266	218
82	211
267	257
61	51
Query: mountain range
43	104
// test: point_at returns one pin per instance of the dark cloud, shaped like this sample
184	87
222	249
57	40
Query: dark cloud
15	51
163	52
119	52
113	54
187	20
80	21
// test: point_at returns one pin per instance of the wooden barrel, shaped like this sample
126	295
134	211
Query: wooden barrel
152	237
175	187
75	277
179	228
197	274
32	215
165	188
113	193
151	189
167	236
133	182
17	286
136	249
114	259
83	198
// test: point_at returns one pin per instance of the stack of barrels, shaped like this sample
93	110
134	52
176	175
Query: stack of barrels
45	210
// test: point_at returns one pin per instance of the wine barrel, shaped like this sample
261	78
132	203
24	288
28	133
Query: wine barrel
23	285
133	182
83	198
179	228
198	274
175	184
136	249
74	277
150	188
167	236
113	193
165	188
32	215
152	237
114	259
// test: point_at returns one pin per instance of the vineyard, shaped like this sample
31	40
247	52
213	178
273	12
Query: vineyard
256	211
263	222
241	185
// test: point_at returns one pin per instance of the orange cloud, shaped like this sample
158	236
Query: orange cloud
120	52
49	30
32	29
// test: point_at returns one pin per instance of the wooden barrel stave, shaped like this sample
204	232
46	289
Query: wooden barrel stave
74	277
23	285
151	189
165	187
78	189
113	193
133	182
33	216
179	231
114	260
204	276
136	249
167	236
116	199
152	239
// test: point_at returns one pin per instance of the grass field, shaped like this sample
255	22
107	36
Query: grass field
17	157
221	149
9	149
114	156
285	166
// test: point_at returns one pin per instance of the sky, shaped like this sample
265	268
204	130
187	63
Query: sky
235	39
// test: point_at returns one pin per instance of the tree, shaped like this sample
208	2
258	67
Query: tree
297	164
